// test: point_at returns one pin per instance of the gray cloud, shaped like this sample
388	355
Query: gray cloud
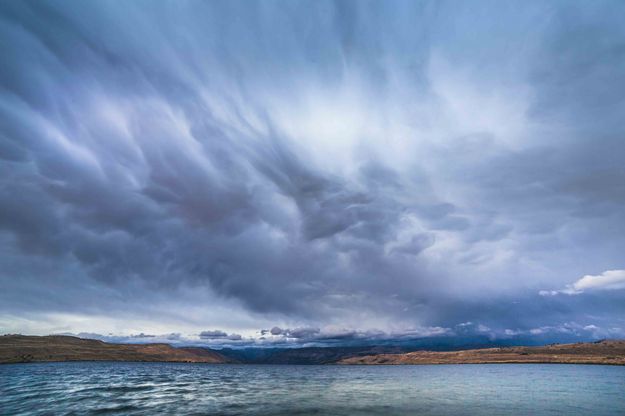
217	334
311	164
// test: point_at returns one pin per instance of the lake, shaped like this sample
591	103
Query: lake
166	388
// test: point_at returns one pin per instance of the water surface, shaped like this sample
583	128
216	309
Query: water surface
205	389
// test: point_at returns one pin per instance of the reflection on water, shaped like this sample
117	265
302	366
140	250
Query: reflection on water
164	388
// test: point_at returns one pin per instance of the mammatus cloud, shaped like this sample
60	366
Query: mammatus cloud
171	168
608	280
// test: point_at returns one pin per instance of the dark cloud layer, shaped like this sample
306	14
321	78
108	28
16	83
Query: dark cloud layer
391	166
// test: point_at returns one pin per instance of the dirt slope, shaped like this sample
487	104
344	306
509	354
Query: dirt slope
21	348
601	352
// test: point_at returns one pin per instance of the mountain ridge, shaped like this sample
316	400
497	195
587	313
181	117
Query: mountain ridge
55	348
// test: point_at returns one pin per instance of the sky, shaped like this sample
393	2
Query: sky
297	172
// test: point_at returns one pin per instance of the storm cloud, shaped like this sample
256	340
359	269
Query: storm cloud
338	168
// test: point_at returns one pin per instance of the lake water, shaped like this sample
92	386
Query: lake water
164	388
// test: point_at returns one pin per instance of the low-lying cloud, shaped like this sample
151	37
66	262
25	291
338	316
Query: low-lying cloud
220	335
608	280
465	333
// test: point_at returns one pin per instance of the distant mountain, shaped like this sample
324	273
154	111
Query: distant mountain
307	355
21	348
601	352
332	354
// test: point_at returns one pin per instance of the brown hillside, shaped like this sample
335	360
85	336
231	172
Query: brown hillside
21	348
601	352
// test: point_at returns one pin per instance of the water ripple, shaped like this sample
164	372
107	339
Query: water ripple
201	389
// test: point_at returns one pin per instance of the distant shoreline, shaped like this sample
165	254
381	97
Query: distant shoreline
607	352
480	363
15	349
340	364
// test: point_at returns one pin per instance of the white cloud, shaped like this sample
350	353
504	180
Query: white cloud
608	280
